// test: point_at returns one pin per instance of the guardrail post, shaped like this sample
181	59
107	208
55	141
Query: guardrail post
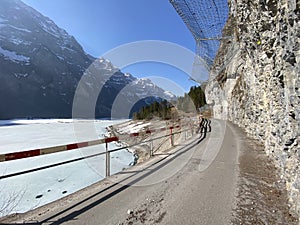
192	129
151	149
107	160
172	136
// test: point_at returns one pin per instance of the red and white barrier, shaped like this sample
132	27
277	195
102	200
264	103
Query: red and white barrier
44	151
50	150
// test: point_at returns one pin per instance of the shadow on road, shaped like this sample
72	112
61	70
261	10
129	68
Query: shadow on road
203	128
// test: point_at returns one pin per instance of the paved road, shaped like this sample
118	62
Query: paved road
194	184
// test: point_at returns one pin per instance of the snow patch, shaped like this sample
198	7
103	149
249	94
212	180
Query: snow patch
18	41
140	95
21	75
101	60
49	28
89	84
66	48
2	20
13	56
20	29
169	94
133	128
60	57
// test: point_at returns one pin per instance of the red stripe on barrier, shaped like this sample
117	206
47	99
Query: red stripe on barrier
171	127
111	139
162	129
72	146
82	144
134	134
148	131
177	126
77	145
20	155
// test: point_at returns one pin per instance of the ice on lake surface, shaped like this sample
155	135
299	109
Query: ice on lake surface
25	192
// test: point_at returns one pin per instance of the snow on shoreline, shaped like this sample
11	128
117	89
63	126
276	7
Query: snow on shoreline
132	128
28	191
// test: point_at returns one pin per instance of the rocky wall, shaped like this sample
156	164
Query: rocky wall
255	81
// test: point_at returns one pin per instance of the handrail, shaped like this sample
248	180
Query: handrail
73	146
32	153
50	150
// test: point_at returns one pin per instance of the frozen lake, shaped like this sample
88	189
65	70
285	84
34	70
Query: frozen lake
28	191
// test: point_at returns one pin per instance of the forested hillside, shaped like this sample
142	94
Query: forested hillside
190	102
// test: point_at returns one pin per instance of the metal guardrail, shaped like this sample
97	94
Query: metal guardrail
74	146
61	148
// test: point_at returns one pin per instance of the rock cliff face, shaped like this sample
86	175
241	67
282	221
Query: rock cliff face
255	81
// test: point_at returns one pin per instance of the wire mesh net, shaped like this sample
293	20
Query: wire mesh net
205	19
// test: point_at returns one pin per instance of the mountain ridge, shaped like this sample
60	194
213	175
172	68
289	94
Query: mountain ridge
41	66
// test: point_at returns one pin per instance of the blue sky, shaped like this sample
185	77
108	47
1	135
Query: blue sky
101	25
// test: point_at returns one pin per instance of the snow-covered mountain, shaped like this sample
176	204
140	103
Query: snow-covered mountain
41	65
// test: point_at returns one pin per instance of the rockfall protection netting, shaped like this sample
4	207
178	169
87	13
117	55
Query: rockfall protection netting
205	19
